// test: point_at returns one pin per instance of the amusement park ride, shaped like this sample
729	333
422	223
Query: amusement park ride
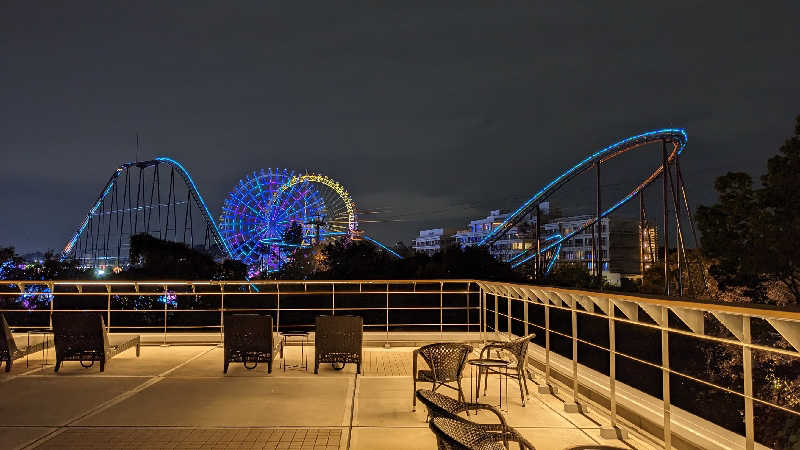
261	208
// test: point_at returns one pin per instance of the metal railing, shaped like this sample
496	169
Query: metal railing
509	309
482	307
183	306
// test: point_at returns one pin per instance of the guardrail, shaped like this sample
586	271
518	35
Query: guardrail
573	323
386	305
510	308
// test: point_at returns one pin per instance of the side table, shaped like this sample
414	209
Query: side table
303	335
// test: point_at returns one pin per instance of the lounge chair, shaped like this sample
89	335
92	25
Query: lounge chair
518	349
338	339
11	348
456	432
249	340
82	336
446	362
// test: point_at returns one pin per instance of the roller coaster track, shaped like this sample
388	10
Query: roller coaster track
190	184
675	136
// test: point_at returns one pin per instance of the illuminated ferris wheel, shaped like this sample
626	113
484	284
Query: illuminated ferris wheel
258	213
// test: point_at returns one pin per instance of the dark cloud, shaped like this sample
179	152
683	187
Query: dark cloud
440	112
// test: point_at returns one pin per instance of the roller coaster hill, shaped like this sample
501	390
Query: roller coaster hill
160	198
144	197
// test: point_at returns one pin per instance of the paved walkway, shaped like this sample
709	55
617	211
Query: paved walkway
177	397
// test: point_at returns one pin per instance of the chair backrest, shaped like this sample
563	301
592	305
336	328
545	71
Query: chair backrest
519	348
7	343
459	434
248	333
76	332
339	334
446	359
440	405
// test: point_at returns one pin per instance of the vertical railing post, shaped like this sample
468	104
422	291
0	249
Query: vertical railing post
469	320
547	388
496	316
482	312
525	316
165	316
222	311
386	343
612	432
278	312
747	359
108	309
441	309
665	376
52	301
508	318
574	407
333	299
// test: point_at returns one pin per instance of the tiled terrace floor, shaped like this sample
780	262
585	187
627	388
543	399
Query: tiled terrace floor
177	397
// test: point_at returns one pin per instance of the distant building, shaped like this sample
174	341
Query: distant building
619	242
433	240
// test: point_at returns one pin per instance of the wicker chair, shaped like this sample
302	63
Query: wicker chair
467	434
446	362
338	339
82	336
249	340
518	348
11	350
461	434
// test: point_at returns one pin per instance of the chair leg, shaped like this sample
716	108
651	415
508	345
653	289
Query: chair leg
8	364
521	381
57	366
316	365
414	397
225	366
358	368
269	366
102	365
485	381
138	349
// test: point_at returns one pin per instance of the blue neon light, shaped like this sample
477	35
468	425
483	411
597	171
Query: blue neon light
394	253
677	134
557	244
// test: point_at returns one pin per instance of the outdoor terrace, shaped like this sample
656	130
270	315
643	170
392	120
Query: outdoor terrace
176	396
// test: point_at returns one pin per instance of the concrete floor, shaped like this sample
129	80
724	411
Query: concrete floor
178	397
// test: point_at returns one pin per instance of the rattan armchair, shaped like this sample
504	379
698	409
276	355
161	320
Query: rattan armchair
338	339
10	349
82	336
518	349
446	362
463	433
249	340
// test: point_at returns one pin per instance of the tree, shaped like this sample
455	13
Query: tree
752	235
294	234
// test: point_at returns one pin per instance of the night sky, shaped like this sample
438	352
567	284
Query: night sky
430	114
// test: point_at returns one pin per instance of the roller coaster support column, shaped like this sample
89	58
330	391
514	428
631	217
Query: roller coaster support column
538	269
597	261
664	169
641	234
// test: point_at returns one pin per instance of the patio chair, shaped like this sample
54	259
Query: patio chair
82	336
11	349
446	362
461	434
442	406
518	349
249	340
338	339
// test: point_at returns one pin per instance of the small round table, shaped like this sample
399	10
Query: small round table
478	365
303	359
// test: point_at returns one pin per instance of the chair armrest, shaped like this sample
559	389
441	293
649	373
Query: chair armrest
476	406
492	345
